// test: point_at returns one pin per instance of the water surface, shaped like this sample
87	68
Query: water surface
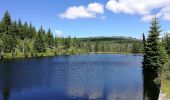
77	77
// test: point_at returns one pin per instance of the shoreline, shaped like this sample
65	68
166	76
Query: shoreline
9	55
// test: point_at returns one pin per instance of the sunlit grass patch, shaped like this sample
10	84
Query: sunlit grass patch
166	87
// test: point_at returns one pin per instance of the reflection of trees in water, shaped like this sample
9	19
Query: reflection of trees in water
14	78
151	89
6	93
5	83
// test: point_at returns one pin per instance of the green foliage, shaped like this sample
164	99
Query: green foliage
49	39
39	44
136	48
153	60
21	34
19	39
166	42
165	73
9	33
66	43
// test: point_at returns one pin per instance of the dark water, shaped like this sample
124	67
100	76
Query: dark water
79	77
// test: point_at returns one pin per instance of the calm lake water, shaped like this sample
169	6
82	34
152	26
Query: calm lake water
77	77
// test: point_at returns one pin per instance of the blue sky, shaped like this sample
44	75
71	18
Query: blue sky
109	18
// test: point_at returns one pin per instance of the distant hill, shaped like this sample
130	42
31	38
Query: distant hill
112	38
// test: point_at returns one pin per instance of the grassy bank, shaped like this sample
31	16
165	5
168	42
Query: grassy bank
48	53
165	88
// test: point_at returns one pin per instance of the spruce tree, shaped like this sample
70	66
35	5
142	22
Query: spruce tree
20	28
25	31
49	39
8	31
32	31
42	32
153	60
39	44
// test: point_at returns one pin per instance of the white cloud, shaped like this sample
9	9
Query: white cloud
83	12
76	12
146	18
165	13
144	8
96	8
58	33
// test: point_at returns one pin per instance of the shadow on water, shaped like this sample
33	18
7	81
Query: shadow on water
151	89
5	83
6	93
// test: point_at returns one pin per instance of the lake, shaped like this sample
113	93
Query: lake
76	77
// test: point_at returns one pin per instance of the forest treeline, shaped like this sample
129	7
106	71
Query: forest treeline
22	39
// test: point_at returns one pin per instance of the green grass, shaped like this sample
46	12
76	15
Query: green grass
165	88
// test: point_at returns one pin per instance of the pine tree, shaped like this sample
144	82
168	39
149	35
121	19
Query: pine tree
39	44
49	39
20	28
42	32
31	31
153	60
8	31
25	31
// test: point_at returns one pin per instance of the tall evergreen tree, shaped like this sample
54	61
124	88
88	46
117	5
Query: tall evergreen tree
49	39
153	60
31	31
42	32
20	28
9	40
25	31
39	44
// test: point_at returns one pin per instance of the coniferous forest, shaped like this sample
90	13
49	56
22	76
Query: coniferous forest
22	39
